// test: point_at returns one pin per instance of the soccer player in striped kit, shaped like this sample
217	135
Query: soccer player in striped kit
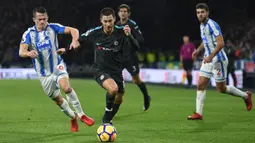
40	43
214	64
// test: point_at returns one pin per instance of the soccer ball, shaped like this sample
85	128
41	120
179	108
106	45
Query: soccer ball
106	133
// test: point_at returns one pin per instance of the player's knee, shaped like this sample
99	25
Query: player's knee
59	100
118	100
113	90
221	89
67	89
200	87
136	80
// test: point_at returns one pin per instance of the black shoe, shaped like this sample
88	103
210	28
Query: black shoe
107	122
146	103
188	86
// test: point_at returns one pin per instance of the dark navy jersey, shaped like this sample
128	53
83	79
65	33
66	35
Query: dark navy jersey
136	32
108	48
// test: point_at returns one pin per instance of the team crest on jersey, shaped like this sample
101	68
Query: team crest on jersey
60	67
116	43
47	33
101	77
99	47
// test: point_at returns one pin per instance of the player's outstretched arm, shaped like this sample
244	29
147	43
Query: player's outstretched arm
75	36
87	36
23	51
73	31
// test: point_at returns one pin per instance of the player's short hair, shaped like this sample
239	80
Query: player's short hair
185	35
202	6
124	6
107	11
39	10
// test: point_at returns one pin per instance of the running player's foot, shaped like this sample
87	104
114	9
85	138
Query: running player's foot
74	124
107	122
87	120
195	116
147	103
248	101
188	86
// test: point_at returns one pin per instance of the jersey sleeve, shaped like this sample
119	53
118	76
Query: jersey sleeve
133	42
26	38
87	36
58	28
136	32
215	29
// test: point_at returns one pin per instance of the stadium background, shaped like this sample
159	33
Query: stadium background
30	117
163	24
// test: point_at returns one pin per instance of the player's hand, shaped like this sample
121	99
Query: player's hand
61	51
32	54
194	54
208	59
127	30
74	45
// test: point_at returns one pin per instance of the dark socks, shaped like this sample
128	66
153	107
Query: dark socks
115	109
143	88
189	77
109	107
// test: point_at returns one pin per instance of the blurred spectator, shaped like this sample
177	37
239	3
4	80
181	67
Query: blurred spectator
161	32
230	51
151	59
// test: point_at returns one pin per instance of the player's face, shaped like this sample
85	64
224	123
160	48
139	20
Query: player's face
186	39
41	20
123	13
108	23
202	15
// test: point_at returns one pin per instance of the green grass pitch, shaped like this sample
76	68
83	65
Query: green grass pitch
29	116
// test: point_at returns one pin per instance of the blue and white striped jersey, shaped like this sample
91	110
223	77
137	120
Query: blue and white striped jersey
209	31
46	44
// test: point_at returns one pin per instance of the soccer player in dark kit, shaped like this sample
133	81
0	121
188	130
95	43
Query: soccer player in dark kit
109	41
130	59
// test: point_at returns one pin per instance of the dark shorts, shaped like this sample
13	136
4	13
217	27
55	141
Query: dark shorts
132	66
100	77
187	65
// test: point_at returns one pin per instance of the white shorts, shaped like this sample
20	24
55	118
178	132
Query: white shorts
50	83
216	70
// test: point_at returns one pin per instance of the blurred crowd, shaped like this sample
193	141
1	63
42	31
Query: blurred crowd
241	37
16	17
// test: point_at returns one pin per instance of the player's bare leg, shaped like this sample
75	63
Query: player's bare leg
231	90
112	90
117	102
201	92
147	99
64	106
72	98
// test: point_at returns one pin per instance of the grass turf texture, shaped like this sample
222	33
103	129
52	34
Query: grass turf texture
29	116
